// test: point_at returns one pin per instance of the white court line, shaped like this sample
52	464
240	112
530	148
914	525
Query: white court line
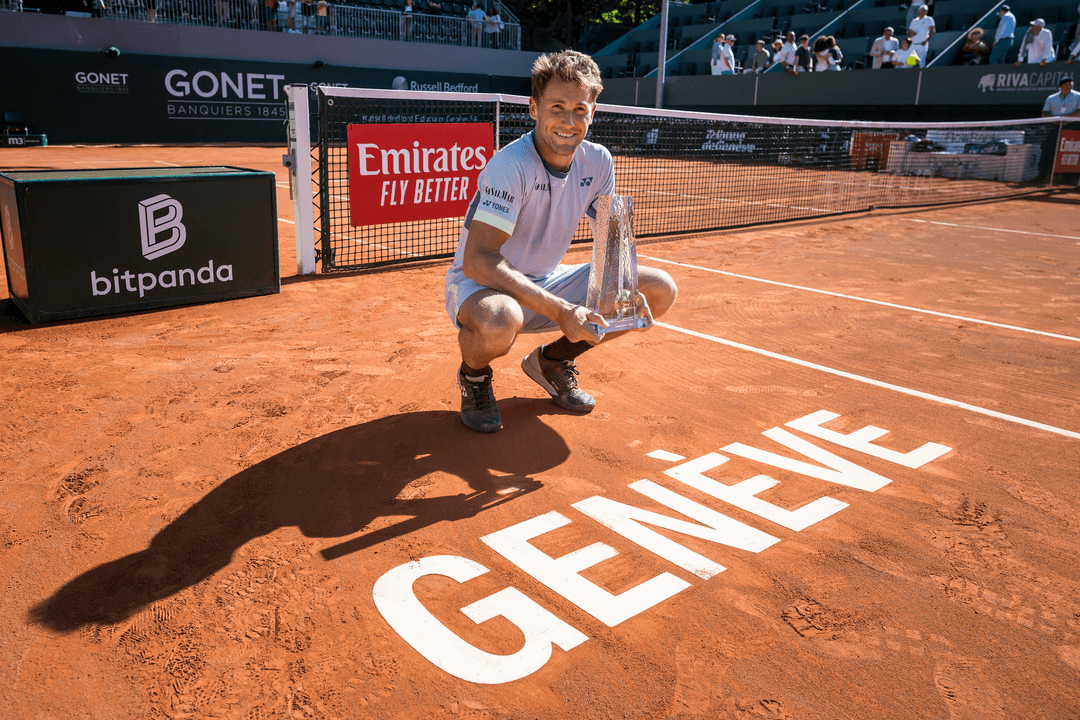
729	200
291	222
978	227
878	383
162	162
868	300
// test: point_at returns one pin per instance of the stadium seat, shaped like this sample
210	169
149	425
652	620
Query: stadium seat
14	124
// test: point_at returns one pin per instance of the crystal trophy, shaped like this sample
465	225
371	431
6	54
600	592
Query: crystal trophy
613	277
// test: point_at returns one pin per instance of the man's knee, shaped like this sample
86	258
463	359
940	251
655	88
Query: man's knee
490	315
659	289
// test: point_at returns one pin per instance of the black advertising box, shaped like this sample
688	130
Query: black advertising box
92	242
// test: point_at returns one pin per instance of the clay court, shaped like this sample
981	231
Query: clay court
200	501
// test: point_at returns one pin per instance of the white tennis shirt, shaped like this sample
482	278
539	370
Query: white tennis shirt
537	205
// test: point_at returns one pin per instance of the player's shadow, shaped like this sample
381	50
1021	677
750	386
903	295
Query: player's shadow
333	486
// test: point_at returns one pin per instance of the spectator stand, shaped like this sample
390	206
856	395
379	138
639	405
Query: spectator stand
1060	17
636	54
378	19
947	54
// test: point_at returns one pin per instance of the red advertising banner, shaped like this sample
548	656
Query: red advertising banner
422	171
1068	152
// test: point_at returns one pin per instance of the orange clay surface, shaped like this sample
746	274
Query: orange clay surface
198	502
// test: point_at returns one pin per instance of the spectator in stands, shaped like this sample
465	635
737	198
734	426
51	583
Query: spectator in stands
723	58
493	25
824	58
975	50
307	15
1075	53
913	10
434	8
729	41
803	55
222	9
920	30
785	56
322	16
269	13
761	59
1003	36
405	22
838	57
475	18
151	10
883	49
777	47
1037	45
290	20
1065	103
901	58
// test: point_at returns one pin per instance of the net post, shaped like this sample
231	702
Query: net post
660	69
300	177
1053	159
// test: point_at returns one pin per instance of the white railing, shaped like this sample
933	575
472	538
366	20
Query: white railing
309	18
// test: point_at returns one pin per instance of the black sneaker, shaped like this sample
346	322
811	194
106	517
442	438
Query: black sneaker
478	409
559	378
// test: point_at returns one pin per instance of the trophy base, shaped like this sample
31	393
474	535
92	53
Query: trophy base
634	323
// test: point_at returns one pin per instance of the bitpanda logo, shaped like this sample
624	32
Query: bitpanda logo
159	215
153	225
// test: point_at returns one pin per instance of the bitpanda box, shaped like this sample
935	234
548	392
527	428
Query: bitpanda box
79	243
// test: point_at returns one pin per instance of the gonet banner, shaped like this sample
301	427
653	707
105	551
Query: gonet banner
90	97
421	171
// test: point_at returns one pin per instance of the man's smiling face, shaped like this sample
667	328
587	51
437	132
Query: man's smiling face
562	114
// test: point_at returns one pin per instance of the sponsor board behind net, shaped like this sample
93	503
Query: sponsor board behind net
1021	80
408	172
101	82
224	95
1068	152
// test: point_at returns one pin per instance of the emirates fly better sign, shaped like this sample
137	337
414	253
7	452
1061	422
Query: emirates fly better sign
399	173
1068	152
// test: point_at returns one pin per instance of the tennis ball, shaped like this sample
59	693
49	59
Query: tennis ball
912	60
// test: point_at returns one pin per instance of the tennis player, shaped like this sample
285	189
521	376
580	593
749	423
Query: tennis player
507	278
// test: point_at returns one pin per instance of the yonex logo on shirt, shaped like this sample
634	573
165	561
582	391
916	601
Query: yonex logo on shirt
586	181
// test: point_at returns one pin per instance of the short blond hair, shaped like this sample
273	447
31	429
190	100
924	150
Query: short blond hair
569	66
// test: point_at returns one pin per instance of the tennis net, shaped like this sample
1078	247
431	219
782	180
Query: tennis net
687	171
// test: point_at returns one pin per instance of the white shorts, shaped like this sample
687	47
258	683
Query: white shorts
569	282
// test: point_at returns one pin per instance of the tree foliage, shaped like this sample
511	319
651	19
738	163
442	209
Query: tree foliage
555	24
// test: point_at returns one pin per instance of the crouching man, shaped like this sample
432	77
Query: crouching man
507	278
